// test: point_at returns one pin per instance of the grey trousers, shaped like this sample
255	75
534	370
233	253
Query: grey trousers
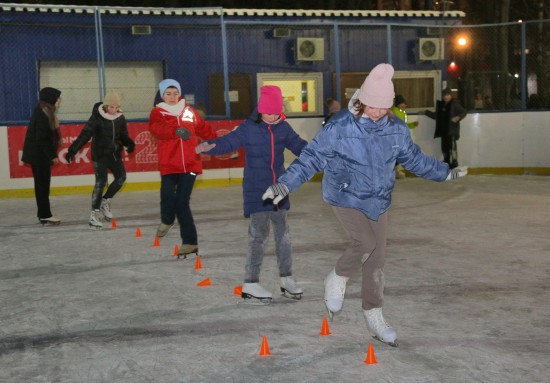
258	235
366	251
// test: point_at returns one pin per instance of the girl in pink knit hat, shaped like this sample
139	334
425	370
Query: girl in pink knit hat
264	135
357	151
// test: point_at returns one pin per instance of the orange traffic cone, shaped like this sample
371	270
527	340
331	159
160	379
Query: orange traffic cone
324	328
198	264
206	282
176	249
238	290
113	223
138	232
371	358
264	349
157	243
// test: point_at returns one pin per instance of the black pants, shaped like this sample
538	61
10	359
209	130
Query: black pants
101	168
42	175
175	196
450	154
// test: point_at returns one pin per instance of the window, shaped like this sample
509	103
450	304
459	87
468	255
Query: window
302	92
135	82
421	89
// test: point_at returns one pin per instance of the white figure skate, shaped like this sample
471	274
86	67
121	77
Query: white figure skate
378	327
335	289
253	293
289	285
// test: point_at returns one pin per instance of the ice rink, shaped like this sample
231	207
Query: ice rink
467	288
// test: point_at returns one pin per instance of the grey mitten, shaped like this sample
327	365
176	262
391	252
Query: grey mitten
185	134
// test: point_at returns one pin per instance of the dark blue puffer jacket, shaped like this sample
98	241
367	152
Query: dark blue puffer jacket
264	147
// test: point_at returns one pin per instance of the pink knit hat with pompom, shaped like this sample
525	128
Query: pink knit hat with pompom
271	100
377	89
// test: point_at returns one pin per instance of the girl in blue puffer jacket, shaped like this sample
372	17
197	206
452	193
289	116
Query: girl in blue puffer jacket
264	136
357	150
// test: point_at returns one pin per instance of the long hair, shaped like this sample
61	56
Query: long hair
359	108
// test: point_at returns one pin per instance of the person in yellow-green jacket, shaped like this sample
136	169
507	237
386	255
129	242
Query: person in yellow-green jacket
399	109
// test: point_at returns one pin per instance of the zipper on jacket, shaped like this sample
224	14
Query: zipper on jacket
272	139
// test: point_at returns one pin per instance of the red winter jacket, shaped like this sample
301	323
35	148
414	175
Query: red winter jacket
176	155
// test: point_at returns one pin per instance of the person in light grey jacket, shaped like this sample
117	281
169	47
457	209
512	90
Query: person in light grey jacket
357	151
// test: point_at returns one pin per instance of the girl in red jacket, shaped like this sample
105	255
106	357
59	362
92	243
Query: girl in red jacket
177	126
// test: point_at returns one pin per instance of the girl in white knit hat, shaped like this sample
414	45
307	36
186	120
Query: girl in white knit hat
357	152
109	133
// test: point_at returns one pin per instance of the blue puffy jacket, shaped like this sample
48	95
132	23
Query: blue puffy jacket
358	157
264	147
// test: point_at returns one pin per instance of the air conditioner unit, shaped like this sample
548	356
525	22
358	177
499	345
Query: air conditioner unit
281	32
141	29
430	48
310	49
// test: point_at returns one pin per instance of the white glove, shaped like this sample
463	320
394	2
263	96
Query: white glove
204	147
457	172
276	192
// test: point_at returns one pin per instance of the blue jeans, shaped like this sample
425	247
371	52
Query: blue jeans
175	195
258	235
101	168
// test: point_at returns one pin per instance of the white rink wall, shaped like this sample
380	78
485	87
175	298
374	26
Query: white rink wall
488	140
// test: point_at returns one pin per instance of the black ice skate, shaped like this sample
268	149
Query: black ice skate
289	285
255	294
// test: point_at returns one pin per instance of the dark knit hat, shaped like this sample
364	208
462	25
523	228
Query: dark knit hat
399	99
446	91
49	95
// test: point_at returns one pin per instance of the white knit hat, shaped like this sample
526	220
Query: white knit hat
112	98
377	89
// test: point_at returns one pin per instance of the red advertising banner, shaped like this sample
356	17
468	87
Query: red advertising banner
143	159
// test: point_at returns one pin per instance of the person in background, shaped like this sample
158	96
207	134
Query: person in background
177	128
333	108
42	142
109	133
357	151
448	114
264	135
399	109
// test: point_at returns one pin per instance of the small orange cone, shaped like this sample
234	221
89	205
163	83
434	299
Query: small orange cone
264	350
324	328
206	282
176	249
371	358
113	223
157	243
198	264
138	232
238	290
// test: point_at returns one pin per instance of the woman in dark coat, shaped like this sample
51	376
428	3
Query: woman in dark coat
40	150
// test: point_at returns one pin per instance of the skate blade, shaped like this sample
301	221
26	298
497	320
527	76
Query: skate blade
48	223
184	255
107	219
96	228
393	344
330	313
250	300
297	296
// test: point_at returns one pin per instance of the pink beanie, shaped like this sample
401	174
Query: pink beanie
377	89
271	100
